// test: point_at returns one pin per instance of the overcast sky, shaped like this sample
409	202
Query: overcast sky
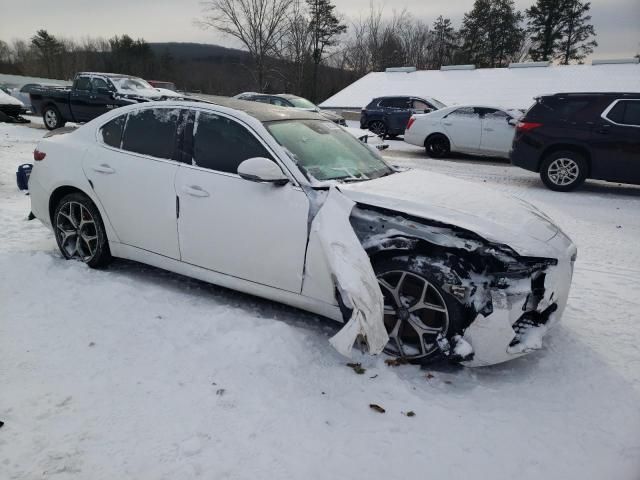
617	22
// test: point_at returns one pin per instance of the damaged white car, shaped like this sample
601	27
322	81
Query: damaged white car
286	205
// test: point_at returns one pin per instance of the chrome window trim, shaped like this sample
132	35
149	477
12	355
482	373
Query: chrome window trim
612	105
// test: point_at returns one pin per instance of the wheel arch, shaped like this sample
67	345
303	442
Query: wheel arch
582	150
61	192
435	134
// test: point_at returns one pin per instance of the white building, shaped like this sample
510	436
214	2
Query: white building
512	87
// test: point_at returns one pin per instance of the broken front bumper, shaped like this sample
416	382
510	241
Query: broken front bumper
517	325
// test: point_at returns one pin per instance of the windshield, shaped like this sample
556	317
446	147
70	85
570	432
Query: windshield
299	102
130	84
437	103
324	151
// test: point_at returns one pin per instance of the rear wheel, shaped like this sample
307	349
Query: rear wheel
437	146
378	127
52	118
563	171
417	312
79	230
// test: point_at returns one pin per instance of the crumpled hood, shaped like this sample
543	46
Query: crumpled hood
330	115
496	217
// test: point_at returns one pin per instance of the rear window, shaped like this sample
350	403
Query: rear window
152	131
111	132
566	108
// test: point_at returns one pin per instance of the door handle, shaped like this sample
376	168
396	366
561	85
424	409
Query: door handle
488	129
104	168
448	124
195	191
603	129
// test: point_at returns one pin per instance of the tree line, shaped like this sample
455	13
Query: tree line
308	48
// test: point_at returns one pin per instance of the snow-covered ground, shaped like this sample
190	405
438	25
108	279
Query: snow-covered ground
135	373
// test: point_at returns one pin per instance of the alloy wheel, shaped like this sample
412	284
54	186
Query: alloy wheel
378	127
51	118
438	147
76	231
415	314
563	171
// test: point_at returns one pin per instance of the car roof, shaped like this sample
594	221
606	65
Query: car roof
110	75
263	112
594	94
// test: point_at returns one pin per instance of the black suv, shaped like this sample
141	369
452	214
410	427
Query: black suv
388	116
569	137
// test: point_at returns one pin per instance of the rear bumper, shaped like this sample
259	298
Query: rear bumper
525	156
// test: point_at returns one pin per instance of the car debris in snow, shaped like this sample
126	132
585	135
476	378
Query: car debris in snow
377	408
357	367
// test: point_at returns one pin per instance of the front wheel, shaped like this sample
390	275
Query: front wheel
79	231
563	171
417	311
52	118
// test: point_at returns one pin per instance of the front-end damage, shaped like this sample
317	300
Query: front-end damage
511	300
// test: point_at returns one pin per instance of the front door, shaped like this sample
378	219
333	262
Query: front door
135	182
254	231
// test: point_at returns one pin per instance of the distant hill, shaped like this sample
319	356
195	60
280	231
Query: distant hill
199	51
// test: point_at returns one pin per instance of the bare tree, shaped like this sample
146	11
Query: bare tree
259	25
296	44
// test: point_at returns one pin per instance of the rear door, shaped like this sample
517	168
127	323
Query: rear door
100	99
398	111
616	141
464	129
497	132
133	172
249	230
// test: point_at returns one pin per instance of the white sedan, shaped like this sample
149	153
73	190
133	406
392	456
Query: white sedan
473	129
287	205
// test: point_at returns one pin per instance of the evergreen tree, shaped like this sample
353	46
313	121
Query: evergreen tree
48	48
577	33
544	25
324	28
444	38
491	33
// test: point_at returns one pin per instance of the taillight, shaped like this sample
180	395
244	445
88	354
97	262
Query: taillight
38	155
527	126
410	122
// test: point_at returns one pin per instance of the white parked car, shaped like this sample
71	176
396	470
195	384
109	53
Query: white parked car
286	205
473	129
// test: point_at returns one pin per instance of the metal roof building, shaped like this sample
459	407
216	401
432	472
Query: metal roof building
512	87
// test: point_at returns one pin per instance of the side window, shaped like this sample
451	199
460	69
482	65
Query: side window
279	102
493	114
420	105
625	112
152	131
111	131
464	112
97	83
261	99
222	144
83	83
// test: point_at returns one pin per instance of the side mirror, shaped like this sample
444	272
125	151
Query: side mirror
261	169
512	121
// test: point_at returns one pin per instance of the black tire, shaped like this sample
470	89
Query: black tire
418	271
379	128
437	146
564	170
52	118
80	232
